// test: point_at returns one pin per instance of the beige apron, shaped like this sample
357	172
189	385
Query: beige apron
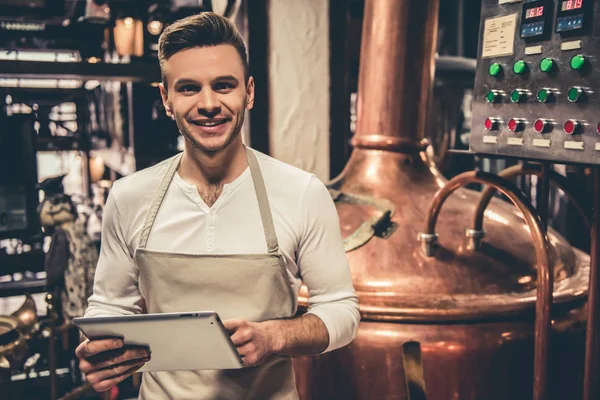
254	287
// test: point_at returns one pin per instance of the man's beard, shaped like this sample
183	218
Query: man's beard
239	121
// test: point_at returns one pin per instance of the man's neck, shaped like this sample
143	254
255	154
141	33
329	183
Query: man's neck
202	169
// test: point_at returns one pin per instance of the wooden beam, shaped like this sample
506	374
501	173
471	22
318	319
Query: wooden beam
339	96
258	49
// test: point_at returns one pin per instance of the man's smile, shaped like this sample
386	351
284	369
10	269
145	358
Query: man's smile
210	122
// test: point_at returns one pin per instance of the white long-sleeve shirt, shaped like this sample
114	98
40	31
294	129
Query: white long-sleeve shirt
306	223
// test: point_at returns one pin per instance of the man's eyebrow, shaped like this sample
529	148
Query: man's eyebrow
226	78
186	81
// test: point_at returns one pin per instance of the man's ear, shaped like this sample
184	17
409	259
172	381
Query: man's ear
250	93
164	95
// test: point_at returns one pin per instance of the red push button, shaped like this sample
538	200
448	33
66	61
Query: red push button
572	127
515	125
542	126
491	124
598	128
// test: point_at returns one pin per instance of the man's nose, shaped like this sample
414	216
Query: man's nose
208	104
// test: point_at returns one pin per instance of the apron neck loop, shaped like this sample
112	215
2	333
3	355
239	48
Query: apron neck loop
263	202
259	187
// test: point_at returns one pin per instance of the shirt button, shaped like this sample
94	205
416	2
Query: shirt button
211	229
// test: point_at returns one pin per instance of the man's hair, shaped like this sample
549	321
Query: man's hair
200	30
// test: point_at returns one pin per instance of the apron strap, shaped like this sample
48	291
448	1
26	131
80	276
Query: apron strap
158	199
263	202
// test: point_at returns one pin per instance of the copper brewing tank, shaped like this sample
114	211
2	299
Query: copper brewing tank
462	320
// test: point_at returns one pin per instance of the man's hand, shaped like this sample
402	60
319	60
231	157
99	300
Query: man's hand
107	362
293	337
254	341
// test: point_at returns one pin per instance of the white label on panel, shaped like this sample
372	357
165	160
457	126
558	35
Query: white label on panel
490	139
513	141
541	142
499	36
574	145
508	1
574	45
598	146
532	50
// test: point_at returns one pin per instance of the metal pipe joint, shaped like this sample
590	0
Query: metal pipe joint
428	241
475	237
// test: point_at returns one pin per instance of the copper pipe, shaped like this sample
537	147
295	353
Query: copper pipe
398	43
543	199
542	251
528	169
592	347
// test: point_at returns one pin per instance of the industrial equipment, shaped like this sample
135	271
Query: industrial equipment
450	310
536	98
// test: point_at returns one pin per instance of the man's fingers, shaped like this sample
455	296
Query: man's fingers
131	354
111	358
250	360
116	370
105	385
234	324
246	349
91	347
242	336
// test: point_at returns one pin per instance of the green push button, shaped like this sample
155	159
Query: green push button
547	64
577	62
575	94
517	96
544	95
495	69
492	96
520	67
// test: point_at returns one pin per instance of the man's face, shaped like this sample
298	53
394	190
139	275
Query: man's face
207	94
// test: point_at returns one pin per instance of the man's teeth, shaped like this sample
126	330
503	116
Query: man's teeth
212	123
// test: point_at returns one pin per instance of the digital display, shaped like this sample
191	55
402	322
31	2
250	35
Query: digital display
571	5
536	12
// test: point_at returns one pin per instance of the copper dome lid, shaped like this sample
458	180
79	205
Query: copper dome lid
390	174
395	280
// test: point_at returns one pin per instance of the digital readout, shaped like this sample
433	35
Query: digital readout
571	5
535	12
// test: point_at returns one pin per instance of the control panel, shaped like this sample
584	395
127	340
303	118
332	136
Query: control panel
537	84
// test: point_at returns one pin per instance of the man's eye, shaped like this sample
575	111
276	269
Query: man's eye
223	86
188	89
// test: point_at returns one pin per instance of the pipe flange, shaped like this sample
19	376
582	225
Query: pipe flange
428	241
475	237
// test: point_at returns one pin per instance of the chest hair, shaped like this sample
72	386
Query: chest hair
210	193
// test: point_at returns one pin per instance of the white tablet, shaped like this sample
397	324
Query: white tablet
177	341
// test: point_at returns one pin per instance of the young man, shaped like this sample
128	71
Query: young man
177	236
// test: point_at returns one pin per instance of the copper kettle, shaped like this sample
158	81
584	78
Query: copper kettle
27	317
462	317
